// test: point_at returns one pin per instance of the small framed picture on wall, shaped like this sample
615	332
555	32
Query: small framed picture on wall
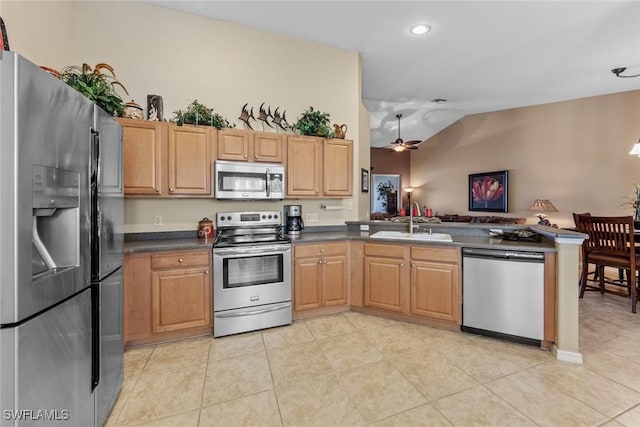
364	180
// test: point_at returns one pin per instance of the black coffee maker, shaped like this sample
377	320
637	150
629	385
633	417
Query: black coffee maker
293	223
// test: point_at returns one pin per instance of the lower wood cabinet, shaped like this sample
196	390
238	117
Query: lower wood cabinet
167	296
435	283
320	276
413	280
384	276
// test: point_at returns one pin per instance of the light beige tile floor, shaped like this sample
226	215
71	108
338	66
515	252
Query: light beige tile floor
356	370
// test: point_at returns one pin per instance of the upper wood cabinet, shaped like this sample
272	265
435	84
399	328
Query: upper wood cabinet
318	167
189	160
337	167
165	160
249	146
304	162
143	142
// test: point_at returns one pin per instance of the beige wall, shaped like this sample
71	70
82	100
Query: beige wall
384	161
574	153
41	31
184	57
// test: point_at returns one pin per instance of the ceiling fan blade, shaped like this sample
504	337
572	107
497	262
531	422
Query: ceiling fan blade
413	142
410	147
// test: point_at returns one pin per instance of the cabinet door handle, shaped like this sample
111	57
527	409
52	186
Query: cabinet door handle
245	156
324	261
179	259
413	265
402	264
321	249
171	189
206	272
320	262
256	157
157	190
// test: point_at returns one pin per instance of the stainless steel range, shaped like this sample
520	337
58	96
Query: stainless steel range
252	273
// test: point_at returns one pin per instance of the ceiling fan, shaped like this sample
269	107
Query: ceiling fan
400	144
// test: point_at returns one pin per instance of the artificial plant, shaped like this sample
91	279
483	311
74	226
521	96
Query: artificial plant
199	114
314	123
96	85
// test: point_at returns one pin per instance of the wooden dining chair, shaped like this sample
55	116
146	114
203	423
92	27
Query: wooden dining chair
611	244
585	260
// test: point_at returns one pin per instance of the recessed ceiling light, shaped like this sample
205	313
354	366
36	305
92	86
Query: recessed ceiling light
420	29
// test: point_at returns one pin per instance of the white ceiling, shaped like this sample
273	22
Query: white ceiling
479	55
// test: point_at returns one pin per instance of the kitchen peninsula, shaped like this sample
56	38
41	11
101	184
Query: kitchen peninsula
340	283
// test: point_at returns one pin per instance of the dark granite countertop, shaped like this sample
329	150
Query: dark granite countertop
176	244
170	244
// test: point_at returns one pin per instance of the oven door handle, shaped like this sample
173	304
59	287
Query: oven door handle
248	251
254	312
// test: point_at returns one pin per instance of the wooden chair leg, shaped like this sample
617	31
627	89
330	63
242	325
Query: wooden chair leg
583	278
633	285
601	278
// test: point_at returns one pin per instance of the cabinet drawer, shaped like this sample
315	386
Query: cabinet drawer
434	254
179	259
321	249
389	251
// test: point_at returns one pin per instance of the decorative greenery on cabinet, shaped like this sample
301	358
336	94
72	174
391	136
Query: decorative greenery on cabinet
96	86
314	123
197	113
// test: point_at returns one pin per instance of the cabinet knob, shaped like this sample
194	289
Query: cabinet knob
157	190
171	189
245	156
413	265
402	264
206	272
325	261
321	249
320	262
179	259
256	157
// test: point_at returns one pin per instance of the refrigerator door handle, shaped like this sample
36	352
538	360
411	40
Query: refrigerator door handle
95	205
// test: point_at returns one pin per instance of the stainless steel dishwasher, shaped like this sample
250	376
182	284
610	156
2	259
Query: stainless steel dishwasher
503	293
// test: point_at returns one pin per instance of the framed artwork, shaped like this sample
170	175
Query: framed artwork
488	191
364	180
385	194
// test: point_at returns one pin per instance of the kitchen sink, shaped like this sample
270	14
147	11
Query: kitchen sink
420	236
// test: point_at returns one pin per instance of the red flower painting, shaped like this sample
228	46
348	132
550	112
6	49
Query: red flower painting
488	192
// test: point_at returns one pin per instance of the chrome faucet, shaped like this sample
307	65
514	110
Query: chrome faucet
411	215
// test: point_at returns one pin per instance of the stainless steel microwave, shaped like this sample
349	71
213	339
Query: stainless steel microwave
249	181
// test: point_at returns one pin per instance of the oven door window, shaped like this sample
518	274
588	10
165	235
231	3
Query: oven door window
241	181
252	270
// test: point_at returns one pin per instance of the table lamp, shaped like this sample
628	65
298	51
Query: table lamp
541	206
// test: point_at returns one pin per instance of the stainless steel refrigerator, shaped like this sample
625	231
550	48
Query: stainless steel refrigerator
61	228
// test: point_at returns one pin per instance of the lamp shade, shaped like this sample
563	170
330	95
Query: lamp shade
542	205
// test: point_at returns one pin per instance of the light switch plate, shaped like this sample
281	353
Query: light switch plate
312	217
364	227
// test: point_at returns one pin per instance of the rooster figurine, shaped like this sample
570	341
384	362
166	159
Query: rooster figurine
246	116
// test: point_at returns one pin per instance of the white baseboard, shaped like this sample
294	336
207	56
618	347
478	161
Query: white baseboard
567	356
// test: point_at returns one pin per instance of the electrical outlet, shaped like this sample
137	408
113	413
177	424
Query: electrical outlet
312	217
364	227
157	220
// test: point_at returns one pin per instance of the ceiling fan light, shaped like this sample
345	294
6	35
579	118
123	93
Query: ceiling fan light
398	148
420	29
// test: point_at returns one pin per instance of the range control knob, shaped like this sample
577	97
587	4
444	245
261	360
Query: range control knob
264	217
269	217
229	218
275	217
221	218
